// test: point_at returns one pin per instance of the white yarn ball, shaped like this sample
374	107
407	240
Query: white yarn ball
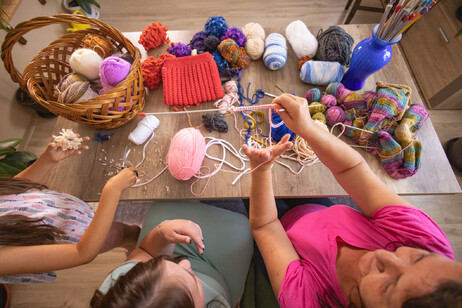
144	129
86	62
255	43
303	42
275	55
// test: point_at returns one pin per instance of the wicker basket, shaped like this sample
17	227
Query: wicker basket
46	70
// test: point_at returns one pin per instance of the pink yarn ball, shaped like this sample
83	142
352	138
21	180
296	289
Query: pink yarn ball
329	100
186	153
335	115
113	70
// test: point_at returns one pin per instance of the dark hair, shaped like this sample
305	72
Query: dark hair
19	230
448	294
145	286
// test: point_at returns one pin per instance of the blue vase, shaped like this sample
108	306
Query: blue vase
369	56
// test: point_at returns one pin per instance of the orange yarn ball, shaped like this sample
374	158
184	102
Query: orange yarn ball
233	54
152	70
153	36
99	44
302	61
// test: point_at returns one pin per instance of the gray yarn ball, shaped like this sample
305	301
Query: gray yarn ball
211	43
334	45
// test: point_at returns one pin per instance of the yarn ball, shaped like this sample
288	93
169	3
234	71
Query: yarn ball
255	44
144	129
236	35
186	153
113	70
152	70
216	25
211	43
321	72
70	79
313	95
319	116
279	132
197	42
335	45
124	55
99	44
215	122
316	107
275	55
235	55
335	115
329	100
76	92
86	62
223	66
179	50
303	42
153	36
334	88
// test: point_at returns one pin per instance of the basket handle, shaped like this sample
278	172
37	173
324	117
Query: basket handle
39	22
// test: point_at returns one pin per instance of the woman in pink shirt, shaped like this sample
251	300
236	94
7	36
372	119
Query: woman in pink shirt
391	255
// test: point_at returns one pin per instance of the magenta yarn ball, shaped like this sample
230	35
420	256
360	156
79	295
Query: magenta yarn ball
113	70
335	115
186	153
329	100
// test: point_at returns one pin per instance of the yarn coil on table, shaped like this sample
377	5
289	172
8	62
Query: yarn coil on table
236	56
321	72
186	153
255	44
99	44
275	55
144	129
301	39
335	45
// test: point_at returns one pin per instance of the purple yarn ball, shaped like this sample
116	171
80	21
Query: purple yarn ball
211	43
236	35
216	26
335	115
197	42
329	100
179	50
112	71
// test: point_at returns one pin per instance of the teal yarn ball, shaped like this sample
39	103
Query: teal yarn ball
321	73
275	55
313	95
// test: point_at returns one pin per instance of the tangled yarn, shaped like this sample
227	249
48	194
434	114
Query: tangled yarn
235	55
152	70
229	99
67	140
179	50
197	42
215	122
303	42
335	45
99	44
321	72
211	43
275	55
216	25
153	36
313	95
278	132
302	149
255	43
236	35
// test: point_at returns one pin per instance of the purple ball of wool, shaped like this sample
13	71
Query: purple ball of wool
329	100
216	25
211	43
335	115
236	35
112	71
179	50
197	42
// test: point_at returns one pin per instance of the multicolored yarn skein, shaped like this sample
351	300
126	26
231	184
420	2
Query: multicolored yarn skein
335	45
275	55
346	98
321	72
113	70
255	44
153	36
86	62
313	95
99	44
235	55
303	42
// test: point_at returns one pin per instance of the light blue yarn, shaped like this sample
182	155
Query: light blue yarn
275	55
321	72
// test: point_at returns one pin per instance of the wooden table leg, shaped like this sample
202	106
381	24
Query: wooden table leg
353	10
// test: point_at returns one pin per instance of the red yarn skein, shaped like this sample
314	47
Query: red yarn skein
152	70
153	36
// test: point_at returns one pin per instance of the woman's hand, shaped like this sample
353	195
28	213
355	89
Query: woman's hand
296	115
264	158
54	153
182	231
122	180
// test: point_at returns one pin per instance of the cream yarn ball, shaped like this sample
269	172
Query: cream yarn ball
302	40
255	44
86	62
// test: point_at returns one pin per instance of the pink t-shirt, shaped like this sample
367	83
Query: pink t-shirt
314	231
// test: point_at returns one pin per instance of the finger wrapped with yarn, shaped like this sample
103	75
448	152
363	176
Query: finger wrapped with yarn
255	43
236	56
113	70
236	35
321	73
179	50
86	62
302	40
99	44
153	36
335	45
275	55
216	25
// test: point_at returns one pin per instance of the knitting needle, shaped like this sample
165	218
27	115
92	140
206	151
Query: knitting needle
384	16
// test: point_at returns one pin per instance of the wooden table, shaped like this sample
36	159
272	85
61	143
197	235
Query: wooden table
85	176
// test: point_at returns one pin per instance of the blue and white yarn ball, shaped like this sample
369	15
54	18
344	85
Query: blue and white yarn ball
275	55
321	72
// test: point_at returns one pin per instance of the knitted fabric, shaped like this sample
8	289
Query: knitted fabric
191	80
